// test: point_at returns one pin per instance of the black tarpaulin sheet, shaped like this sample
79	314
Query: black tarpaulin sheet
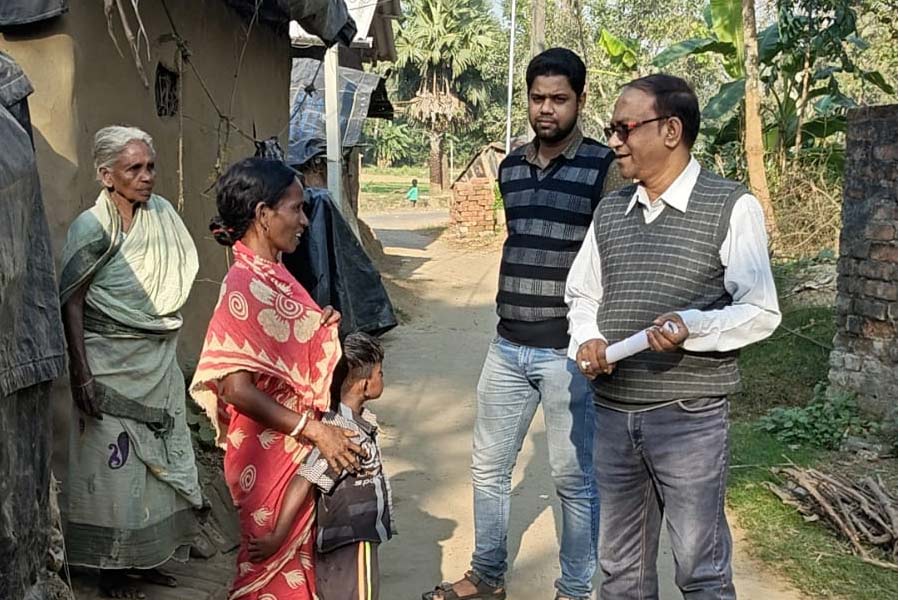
335	269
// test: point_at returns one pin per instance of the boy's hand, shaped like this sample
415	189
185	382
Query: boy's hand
330	316
262	548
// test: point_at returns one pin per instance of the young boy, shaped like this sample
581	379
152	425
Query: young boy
354	510
413	194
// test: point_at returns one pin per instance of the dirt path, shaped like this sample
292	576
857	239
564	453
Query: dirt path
431	370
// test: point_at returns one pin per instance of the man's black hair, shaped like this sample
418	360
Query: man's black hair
675	98
558	61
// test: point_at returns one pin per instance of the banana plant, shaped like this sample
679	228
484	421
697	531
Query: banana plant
623	53
724	37
442	50
392	143
799	56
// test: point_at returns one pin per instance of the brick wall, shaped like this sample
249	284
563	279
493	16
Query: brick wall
471	210
864	359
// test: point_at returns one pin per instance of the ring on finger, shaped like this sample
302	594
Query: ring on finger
585	365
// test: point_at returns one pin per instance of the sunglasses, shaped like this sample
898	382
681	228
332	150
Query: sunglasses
623	129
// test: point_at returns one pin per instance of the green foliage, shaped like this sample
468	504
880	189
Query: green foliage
729	97
724	36
391	143
443	50
201	429
727	27
801	56
875	50
824	423
689	47
440	50
404	172
498	197
623	53
783	369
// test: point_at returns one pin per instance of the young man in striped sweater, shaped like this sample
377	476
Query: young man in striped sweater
687	247
550	188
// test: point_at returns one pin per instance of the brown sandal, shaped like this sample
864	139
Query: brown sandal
484	591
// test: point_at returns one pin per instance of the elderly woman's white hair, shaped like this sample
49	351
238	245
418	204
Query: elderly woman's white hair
110	141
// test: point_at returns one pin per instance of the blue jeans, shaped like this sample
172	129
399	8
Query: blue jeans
671	460
514	380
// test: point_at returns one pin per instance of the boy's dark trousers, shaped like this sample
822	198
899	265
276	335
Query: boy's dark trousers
348	573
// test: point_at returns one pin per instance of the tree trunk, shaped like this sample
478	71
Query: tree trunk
445	171
538	27
538	36
753	138
801	105
436	162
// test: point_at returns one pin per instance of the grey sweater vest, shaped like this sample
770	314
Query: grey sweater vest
648	269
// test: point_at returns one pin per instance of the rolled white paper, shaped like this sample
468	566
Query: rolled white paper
633	344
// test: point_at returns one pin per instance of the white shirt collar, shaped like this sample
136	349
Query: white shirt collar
676	195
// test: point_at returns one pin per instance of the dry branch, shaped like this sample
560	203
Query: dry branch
862	513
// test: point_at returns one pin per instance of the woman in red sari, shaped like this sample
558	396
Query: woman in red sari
264	374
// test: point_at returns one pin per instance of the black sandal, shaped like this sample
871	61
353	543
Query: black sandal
484	591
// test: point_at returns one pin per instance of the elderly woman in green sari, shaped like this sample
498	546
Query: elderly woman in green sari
127	269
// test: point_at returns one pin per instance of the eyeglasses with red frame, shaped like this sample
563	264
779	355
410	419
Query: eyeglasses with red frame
624	129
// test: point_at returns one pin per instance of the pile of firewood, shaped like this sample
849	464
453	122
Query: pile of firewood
862	512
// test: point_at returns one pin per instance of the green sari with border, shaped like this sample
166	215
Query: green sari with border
132	482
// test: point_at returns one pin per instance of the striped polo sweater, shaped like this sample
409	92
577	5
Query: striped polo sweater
648	269
548	212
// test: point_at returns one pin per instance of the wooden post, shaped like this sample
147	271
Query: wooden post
334	143
333	124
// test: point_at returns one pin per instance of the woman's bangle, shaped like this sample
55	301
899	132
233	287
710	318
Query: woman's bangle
85	384
300	424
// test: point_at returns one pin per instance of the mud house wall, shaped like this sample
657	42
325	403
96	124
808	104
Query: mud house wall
81	84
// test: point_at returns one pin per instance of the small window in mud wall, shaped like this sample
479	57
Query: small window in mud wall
166	91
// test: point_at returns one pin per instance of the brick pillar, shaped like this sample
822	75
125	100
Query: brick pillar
864	359
472	208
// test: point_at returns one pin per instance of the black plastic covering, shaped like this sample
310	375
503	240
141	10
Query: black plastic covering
335	269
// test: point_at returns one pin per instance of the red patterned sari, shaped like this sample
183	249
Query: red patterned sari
265	323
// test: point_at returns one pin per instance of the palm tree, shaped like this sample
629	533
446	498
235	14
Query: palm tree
440	50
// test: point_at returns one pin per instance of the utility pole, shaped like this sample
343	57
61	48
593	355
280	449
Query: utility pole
538	35
333	124
509	88
538	26
334	152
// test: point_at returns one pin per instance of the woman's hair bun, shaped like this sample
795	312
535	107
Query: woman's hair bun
224	235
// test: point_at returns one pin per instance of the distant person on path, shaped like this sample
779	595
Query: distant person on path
685	246
550	188
413	193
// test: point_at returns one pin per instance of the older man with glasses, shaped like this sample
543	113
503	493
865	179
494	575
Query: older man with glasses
681	253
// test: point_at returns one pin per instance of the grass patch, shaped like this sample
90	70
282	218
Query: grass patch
784	369
409	171
816	561
385	190
392	187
